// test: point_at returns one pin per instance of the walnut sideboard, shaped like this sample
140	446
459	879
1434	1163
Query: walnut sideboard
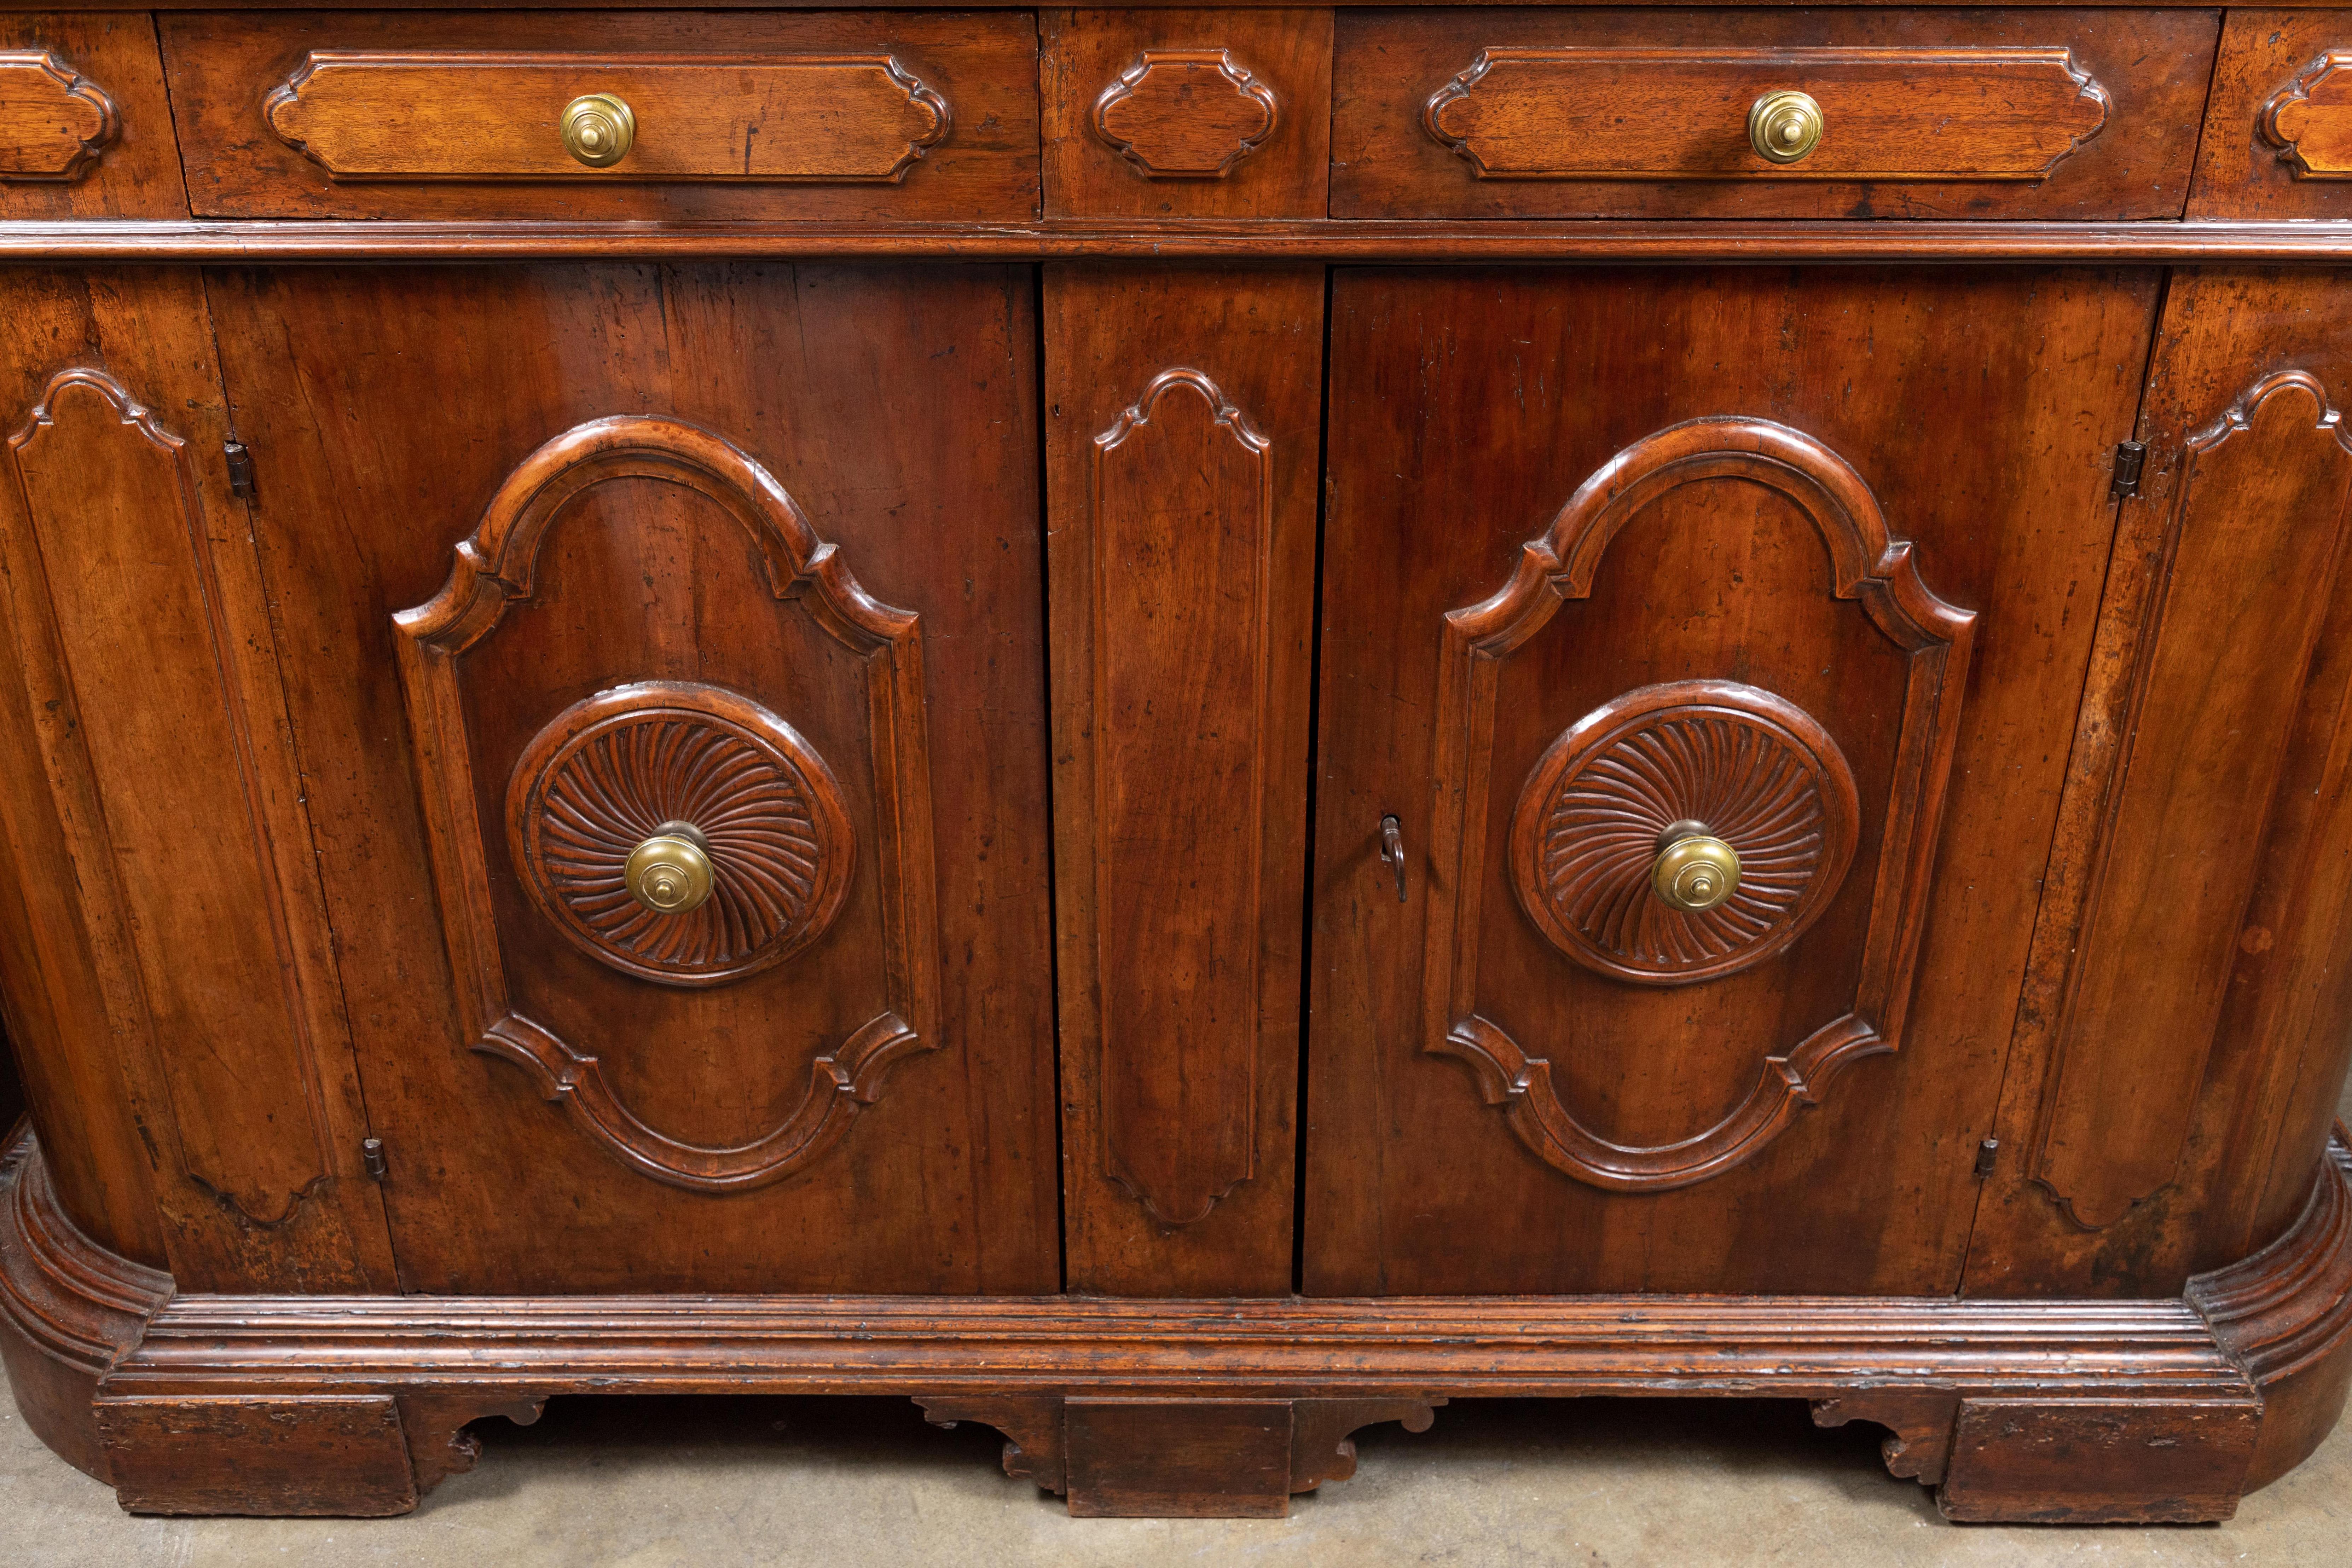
1178	729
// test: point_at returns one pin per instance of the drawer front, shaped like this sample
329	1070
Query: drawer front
831	115
85	127
2044	114
2278	131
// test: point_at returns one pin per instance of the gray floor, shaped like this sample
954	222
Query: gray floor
713	1483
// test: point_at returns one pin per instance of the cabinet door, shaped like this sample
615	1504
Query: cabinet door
664	653
1780	584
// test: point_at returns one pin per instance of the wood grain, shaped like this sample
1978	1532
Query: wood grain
895	410
757	118
1180	451
699	161
1470	396
1186	113
103	149
320	1454
2247	161
1924	110
1947	115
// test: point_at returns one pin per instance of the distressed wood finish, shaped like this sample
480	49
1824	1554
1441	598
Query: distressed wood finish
1573	113
1945	116
859	115
1466	396
1186	113
85	125
1181	455
823	498
2275	143
54	121
447	115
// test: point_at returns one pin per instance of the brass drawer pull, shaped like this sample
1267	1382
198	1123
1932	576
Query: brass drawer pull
599	130
1785	126
670	873
1695	870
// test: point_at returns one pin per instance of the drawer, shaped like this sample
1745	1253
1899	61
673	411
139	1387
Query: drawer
2278	128
1652	113
85	127
825	115
1176	113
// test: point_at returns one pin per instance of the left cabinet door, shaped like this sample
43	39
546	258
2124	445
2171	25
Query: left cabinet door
664	657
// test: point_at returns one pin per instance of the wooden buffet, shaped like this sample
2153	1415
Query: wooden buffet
1178	729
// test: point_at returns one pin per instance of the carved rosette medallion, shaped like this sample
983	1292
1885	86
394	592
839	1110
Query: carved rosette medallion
1749	767
613	770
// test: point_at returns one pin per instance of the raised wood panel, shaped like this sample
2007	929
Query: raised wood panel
1634	113
1182	453
840	115
450	115
54	121
1183	112
2249	570
2278	131
84	126
895	407
142	646
1722	722
690	736
1464	421
2231	1171
2040	112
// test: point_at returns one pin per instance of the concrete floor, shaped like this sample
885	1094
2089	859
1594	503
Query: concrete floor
1528	1483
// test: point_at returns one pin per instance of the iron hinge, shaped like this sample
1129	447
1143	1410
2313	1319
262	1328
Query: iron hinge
2130	458
1987	1153
240	470
372	1156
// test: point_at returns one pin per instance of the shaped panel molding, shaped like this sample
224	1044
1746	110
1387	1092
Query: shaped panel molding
1745	766
134	677
475	115
616	769
779	808
1184	511
1185	114
1927	114
2309	119
54	121
2250	568
1867	566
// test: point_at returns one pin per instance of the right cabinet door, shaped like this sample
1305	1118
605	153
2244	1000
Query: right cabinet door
1701	654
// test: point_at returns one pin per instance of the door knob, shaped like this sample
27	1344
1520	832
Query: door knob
670	873
598	130
1695	870
1784	127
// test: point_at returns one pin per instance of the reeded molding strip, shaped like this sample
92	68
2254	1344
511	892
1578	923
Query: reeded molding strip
54	121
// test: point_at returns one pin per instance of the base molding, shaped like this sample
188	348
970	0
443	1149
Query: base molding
2108	1410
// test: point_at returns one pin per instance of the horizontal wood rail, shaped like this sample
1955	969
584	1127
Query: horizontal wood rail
1476	242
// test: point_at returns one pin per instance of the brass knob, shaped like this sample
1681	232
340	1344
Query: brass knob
598	129
1695	869
670	873
1784	127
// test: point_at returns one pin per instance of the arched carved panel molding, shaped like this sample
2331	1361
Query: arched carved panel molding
2213	715
211	965
2309	119
1868	567
1751	768
767	772
54	121
1183	513
1185	114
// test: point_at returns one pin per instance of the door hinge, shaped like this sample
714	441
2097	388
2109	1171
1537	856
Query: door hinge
2130	458
372	1156
240	470
1987	1153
